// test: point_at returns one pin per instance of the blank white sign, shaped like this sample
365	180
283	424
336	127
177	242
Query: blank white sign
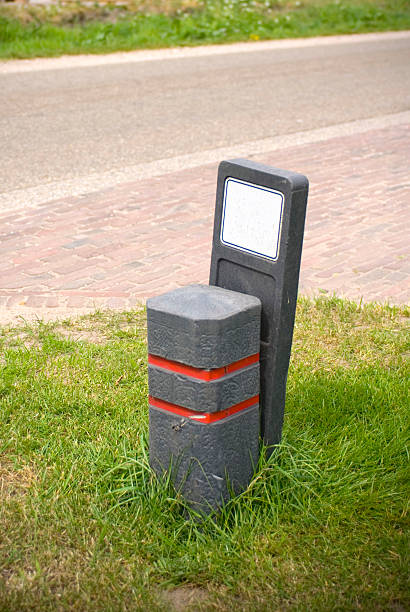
252	218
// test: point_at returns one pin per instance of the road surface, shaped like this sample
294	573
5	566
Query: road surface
63	120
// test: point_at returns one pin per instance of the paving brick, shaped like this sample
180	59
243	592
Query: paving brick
372	276
36	301
77	301
10	282
16	300
87	252
52	302
76	284
117	303
123	244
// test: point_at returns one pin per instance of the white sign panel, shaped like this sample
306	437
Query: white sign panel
252	218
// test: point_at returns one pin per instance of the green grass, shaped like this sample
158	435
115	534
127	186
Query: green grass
33	31
84	525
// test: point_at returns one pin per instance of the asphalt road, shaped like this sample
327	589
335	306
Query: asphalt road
67	123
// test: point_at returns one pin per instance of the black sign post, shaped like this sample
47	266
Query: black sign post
257	246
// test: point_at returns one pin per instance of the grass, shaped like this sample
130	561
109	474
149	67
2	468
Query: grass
30	31
85	525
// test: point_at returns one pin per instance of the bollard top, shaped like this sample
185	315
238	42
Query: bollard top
203	326
203	302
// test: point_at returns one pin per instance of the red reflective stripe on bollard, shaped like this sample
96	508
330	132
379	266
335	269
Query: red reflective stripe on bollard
203	417
181	368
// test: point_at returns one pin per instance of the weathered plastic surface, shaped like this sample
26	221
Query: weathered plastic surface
202	326
208	462
274	282
209	329
200	395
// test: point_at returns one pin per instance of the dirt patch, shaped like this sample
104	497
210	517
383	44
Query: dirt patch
18	580
82	335
101	327
14	482
19	340
58	573
185	598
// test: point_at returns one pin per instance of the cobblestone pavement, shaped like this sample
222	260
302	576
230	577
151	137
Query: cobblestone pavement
116	247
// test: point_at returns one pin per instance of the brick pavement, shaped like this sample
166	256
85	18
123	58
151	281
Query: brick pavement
116	247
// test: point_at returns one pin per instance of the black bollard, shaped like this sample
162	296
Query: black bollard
203	345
